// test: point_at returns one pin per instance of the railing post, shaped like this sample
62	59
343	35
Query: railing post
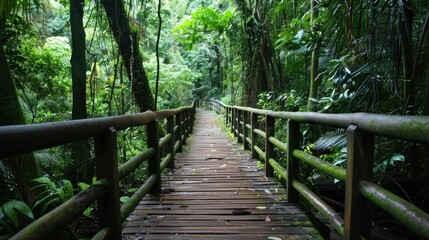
191	120
191	115
226	116
194	116
360	159
154	160
107	167
185	126
170	145
239	127
178	135
233	113
293	134
254	123
269	132
188	125
245	130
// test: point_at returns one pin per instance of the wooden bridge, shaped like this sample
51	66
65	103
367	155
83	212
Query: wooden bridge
216	191
211	188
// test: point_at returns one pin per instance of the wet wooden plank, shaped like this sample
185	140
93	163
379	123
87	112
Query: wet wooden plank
222	236
219	230
217	192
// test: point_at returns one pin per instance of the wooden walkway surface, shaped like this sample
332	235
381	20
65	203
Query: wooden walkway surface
216	191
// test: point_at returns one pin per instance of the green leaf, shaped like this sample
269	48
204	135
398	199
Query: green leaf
124	199
397	157
44	193
10	213
87	212
68	189
48	203
38	202
23	208
82	186
132	190
60	193
46	181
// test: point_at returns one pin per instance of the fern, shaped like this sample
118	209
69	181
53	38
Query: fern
54	193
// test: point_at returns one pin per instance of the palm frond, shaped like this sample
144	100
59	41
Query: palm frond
332	139
43	157
8	185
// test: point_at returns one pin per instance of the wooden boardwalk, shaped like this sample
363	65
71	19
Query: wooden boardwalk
216	191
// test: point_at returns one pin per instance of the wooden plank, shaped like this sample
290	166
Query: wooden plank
216	191
222	237
217	224
209	218
223	230
224	201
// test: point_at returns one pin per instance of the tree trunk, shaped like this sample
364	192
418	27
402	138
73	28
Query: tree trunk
425	83
218	60
258	52
24	167
312	93
129	50
408	57
80	149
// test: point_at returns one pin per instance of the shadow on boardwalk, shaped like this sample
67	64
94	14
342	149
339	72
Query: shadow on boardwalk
216	192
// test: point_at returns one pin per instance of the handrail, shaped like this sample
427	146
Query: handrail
19	139
411	128
64	213
360	191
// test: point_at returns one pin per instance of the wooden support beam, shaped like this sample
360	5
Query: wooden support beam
245	130
239	126
169	148
360	159
154	160
254	136
178	135
106	158
233	113
184	135
269	132
293	135
227	115
190	120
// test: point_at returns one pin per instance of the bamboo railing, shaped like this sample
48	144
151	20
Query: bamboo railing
20	139
360	190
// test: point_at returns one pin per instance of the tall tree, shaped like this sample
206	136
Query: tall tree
129	49
259	50
81	149
25	167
